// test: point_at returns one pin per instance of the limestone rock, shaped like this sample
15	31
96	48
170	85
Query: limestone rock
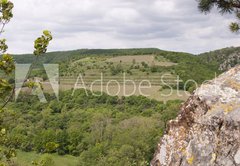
207	129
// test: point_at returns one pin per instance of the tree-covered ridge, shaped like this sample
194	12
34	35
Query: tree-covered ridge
225	58
60	56
100	130
192	67
188	66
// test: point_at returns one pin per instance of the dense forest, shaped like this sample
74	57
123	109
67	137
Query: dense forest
100	130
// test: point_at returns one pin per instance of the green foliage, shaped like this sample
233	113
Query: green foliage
6	11
116	69
45	160
3	46
7	66
187	66
234	27
5	153
154	69
65	56
6	61
42	43
223	6
191	67
5	88
51	147
218	57
144	64
101	130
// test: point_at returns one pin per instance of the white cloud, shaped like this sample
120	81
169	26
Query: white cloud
122	14
164	6
165	24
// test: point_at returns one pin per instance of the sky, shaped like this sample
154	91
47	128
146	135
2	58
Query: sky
175	25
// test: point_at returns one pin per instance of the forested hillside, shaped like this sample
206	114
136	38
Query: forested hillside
225	58
104	130
188	66
115	107
101	130
192	67
61	56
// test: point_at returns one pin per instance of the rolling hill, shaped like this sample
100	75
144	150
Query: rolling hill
160	67
85	129
225	58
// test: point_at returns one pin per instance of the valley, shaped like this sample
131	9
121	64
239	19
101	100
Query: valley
108	99
155	98
152	73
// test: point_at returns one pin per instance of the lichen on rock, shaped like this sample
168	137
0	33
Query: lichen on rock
207	129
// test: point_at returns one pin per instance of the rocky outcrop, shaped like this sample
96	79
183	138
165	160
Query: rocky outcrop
207	129
231	61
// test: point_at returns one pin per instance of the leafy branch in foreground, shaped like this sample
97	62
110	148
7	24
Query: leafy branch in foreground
224	7
7	66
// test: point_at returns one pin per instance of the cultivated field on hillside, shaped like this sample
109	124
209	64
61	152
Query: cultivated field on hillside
149	59
121	76
155	92
133	68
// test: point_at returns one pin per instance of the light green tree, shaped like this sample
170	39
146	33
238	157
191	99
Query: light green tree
7	66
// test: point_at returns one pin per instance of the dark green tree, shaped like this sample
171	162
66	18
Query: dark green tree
224	7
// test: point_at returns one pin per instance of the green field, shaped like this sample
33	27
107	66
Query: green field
26	159
135	63
121	76
132	68
155	92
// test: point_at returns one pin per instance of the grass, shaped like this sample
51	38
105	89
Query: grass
92	65
26	158
91	68
149	59
154	92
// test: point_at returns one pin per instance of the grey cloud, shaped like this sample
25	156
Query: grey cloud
166	24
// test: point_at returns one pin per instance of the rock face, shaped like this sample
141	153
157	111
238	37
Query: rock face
207	129
230	61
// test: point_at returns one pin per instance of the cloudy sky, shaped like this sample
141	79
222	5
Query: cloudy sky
166	24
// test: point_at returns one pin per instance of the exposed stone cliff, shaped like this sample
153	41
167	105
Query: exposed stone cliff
207	129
